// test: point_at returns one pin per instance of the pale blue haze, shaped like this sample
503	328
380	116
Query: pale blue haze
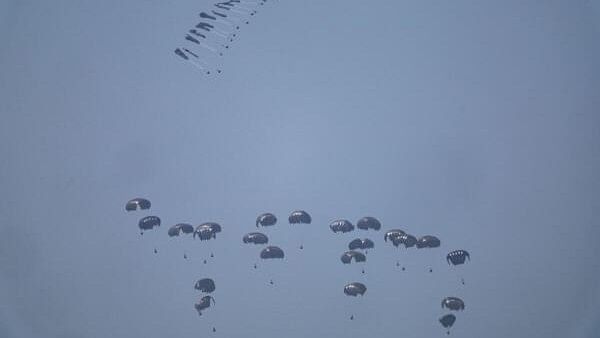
477	121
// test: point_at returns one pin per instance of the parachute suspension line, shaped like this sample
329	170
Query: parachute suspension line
199	67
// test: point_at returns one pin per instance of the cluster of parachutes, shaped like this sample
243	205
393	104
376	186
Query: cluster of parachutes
209	230
268	220
147	222
452	304
216	30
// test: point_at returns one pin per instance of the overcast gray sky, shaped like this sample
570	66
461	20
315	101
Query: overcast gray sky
474	121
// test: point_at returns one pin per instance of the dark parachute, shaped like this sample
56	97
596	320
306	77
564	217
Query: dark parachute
404	239
206	285
448	320
181	54
271	252
177	229
368	222
149	222
203	303
355	289
299	217
191	53
428	242
256	238
361	244
453	303
457	257
358	257
341	225
207	230
137	203
266	219
391	234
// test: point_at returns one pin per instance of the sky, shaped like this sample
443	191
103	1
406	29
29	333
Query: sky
473	121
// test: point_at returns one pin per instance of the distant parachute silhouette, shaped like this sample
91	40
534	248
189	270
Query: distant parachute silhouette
271	252
391	234
207	230
266	219
348	255
457	257
447	321
453	303
355	289
367	223
405	239
204	303
137	203
255	238
148	222
299	217
177	229
341	225
428	242
361	244
206	285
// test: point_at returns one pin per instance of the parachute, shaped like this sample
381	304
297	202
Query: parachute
348	255
299	217
391	234
404	239
255	238
266	219
271	252
453	303
137	203
206	231
177	229
428	242
149	222
457	257
368	222
361	244
355	289
205	285
215	32
204	303
341	225
447	321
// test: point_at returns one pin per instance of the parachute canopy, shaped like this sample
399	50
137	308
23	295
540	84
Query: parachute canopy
266	219
354	289
448	320
361	244
177	229
368	222
457	257
404	239
203	303
341	225
348	255
206	285
207	230
299	217
391	234
256	238
137	203
271	252
428	242
453	303
149	222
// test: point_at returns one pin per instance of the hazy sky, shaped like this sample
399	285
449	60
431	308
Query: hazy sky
474	121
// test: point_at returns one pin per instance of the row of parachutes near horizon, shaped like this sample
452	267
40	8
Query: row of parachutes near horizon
216	30
397	237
